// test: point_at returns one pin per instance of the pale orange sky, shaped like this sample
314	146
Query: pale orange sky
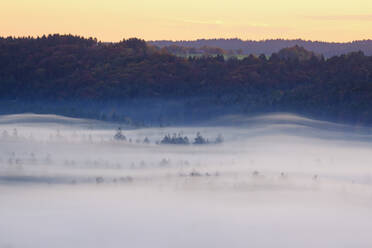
113	20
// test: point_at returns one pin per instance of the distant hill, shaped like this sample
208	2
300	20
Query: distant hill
267	47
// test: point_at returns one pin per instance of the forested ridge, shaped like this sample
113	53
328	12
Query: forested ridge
267	47
69	68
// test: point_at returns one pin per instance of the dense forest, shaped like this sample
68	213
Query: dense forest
267	47
71	69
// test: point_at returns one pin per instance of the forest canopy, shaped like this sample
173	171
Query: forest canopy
66	67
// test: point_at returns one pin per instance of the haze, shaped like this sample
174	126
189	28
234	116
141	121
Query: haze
276	181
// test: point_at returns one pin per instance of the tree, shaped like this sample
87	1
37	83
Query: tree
219	139
119	136
200	140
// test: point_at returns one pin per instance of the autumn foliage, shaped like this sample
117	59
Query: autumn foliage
67	67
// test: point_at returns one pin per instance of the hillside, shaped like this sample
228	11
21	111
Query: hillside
81	77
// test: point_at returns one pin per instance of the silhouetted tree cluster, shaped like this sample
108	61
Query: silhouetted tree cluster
175	139
178	139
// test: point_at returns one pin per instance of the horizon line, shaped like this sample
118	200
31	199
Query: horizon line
186	40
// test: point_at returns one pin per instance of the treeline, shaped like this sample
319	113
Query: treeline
65	67
201	51
267	47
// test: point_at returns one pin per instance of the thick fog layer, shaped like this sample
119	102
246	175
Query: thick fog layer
270	181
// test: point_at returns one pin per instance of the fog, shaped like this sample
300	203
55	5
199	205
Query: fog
277	180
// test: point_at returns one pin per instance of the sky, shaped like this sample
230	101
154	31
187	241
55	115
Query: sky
114	20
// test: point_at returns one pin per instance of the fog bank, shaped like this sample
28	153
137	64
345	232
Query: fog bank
275	181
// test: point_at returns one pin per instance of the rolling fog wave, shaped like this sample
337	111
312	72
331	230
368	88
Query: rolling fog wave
276	180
